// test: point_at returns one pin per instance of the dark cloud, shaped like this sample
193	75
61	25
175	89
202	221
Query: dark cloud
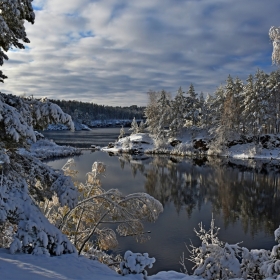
113	51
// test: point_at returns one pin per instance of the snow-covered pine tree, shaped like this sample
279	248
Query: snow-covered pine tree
134	126
192	107
217	106
122	132
274	101
25	180
229	112
164	111
206	120
152	112
262	97
250	105
12	30
142	127
178	108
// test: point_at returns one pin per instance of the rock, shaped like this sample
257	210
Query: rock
200	144
111	145
175	142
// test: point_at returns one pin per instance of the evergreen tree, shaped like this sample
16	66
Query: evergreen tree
217	106
134	126
152	112
122	132
164	111
12	18
192	107
141	128
274	101
250	105
178	107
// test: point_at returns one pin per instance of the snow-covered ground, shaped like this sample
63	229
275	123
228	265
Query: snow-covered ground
196	142
45	149
69	266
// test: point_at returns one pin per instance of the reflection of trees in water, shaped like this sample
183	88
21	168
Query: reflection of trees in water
246	190
174	182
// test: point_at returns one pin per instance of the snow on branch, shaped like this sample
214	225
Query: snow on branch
97	207
26	181
20	116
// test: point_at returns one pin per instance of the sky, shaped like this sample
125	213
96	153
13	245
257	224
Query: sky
112	52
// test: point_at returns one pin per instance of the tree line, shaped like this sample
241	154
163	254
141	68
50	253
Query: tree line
248	107
86	112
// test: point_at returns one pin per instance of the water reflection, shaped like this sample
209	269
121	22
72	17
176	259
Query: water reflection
238	190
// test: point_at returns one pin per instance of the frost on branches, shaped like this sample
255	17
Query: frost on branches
12	31
25	180
84	224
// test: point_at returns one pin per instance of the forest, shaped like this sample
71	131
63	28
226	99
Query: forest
86	112
248	107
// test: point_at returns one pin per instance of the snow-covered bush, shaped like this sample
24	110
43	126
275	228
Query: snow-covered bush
135	263
215	259
252	262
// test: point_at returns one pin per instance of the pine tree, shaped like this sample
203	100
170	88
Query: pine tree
274	101
142	127
122	132
217	106
134	126
178	107
164	111
12	19
152	112
192	107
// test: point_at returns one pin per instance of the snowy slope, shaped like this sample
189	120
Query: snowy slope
70	266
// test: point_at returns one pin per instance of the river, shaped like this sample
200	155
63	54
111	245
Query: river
242	196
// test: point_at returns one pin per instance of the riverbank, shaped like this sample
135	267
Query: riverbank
199	143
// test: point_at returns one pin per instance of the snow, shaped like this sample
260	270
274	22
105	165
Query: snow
69	266
146	143
44	149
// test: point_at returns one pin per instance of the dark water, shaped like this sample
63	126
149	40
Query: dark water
96	136
243	196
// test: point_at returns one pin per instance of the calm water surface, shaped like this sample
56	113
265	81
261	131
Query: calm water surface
244	197
97	136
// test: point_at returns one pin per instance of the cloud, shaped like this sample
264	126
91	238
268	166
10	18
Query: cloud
113	51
